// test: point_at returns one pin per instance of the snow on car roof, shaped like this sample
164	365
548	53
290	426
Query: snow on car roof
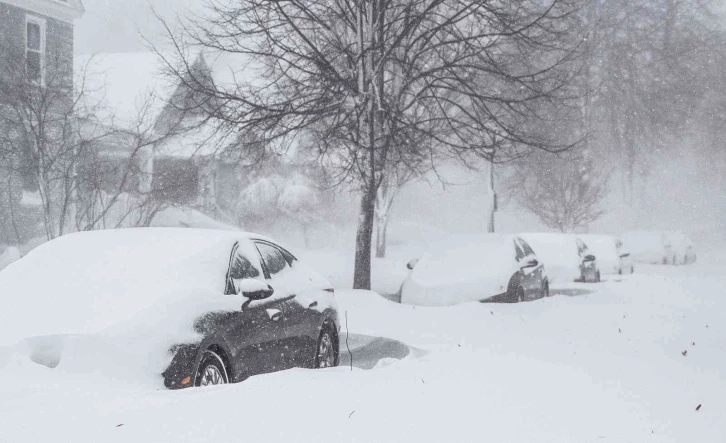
603	246
464	258
85	282
558	252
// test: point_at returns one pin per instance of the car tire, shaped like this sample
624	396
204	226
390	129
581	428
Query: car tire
520	296
211	371
326	355
546	290
597	277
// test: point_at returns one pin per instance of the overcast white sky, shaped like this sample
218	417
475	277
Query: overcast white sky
114	26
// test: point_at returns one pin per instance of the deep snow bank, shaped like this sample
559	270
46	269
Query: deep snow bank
604	366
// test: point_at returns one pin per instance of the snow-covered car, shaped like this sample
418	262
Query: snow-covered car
612	257
488	267
679	248
660	247
9	255
566	256
627	264
646	246
197	307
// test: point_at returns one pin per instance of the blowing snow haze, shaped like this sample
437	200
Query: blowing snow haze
110	26
670	167
369	221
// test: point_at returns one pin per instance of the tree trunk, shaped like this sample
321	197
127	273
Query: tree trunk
366	218
363	240
305	235
45	200
630	161
381	236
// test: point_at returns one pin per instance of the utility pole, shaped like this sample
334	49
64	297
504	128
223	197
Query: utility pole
493	202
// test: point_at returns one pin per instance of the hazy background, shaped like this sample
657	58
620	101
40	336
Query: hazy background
678	191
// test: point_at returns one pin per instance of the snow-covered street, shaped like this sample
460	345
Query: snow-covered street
627	360
363	221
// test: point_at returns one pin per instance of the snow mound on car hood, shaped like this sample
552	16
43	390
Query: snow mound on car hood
460	270
87	282
558	253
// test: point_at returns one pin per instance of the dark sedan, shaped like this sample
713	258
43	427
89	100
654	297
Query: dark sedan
268	333
198	307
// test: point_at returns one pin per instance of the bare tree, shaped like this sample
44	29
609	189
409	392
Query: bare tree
115	177
41	138
57	139
643	70
363	79
390	187
564	192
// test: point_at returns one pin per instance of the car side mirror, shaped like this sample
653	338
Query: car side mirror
588	258
531	263
412	263
255	289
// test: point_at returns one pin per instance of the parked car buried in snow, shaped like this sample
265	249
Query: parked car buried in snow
488	267
660	247
612	256
199	307
8	255
566	256
679	248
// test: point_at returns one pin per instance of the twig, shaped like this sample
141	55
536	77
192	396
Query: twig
346	341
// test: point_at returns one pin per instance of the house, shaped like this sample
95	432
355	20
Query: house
36	58
39	33
181	163
193	162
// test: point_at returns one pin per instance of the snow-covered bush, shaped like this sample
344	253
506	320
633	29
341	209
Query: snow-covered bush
300	203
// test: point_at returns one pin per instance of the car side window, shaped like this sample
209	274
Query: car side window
581	247
272	257
288	257
519	253
239	268
526	248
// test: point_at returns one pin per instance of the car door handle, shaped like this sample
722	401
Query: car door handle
313	304
275	314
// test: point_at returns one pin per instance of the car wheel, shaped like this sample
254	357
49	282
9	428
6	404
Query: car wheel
632	269
211	371
325	355
546	290
520	295
597	277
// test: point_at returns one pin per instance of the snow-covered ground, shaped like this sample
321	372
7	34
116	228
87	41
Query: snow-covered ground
627	360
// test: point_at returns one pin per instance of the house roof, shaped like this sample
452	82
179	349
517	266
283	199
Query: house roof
123	87
64	10
131	88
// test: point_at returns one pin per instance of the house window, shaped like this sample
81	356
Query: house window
34	48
